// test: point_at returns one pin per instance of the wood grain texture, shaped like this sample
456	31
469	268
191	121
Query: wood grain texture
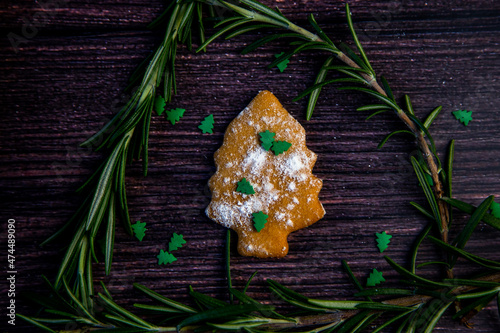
67	80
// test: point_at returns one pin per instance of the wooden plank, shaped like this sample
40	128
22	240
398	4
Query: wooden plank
60	15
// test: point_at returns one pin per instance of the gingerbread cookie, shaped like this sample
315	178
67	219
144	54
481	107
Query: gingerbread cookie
264	188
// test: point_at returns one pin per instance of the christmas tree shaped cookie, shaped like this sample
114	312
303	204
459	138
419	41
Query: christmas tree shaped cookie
286	191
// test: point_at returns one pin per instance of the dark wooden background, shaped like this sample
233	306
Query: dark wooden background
60	86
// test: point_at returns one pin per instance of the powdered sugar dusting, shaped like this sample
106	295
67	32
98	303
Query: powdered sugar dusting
254	161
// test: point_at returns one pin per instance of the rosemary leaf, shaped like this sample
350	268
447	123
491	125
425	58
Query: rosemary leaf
449	170
70	255
498	302
124	314
354	57
303	47
477	294
431	199
104	184
352	73
392	320
137	73
384	291
313	97
417	122
35	323
84	252
127	322
157	308
433	263
320	32
471	225
293	297
223	31
435	316
240	324
98	220
416	246
381	307
145	140
227	20
422	210
243	298
225	312
81	309
475	306
62	313
122	196
64	303
106	291
409	107
375	94
353	278
302	305
266	10
490	264
388	136
249	281
356	69
246	29
350	325
432	116
356	40
164	300
199	14
366	322
337	305
207	301
373	107
89	282
470	209
58	321
387	88
322	84
401	270
473	283
110	235
286	291
162	18
268	39
130	330
376	113
405	322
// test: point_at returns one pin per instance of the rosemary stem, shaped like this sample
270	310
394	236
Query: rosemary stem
306	33
342	315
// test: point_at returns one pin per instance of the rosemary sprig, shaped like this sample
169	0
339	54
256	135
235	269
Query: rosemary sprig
319	315
125	138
